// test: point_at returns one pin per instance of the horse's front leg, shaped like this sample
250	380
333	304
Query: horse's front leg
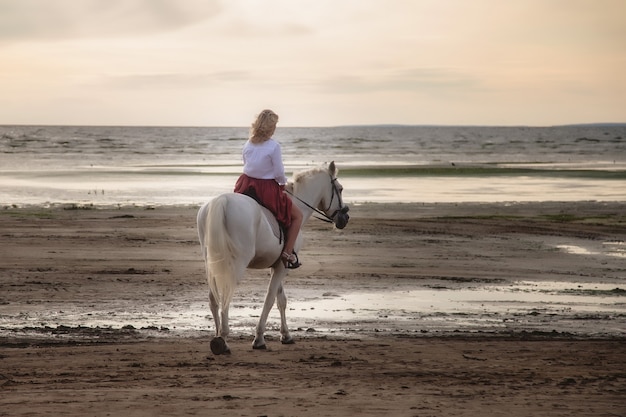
276	280
281	301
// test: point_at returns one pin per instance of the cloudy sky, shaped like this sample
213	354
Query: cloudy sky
316	63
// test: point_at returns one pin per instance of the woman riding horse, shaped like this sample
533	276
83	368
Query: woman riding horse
264	179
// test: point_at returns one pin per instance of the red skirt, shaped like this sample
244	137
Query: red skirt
269	194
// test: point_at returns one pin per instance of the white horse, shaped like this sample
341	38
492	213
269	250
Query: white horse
236	234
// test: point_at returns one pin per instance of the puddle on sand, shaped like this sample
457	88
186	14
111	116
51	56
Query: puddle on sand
579	308
523	306
518	298
610	248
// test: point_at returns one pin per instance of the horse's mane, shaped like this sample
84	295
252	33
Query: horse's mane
299	176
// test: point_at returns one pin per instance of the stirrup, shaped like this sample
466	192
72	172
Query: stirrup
290	261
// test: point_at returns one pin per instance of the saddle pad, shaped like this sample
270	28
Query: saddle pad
273	223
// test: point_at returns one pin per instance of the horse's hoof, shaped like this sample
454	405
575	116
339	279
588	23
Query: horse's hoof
287	341
219	347
260	347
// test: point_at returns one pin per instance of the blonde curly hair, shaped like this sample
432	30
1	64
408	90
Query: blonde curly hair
264	126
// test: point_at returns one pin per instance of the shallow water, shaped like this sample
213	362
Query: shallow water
565	307
107	189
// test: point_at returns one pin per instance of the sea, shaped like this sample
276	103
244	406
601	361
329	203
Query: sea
153	166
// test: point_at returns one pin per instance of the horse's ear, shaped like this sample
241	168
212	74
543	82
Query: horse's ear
332	169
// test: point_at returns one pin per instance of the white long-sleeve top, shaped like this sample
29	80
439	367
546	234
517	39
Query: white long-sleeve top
264	161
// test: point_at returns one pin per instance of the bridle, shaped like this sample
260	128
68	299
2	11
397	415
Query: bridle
326	218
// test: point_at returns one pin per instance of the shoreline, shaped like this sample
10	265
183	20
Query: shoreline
406	268
459	206
172	184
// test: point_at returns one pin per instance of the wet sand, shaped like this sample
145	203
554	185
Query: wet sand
81	334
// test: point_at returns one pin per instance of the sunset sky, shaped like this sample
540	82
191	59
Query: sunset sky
316	63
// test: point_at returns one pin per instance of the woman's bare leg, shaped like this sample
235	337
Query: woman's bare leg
294	229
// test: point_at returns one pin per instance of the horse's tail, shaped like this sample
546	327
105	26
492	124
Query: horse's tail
218	249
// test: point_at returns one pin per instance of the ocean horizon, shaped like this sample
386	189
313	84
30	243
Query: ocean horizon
151	165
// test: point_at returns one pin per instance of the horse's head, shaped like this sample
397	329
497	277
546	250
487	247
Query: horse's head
332	203
319	190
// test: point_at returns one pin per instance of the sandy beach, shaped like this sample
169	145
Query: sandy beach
104	312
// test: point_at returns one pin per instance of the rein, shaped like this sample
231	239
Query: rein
327	218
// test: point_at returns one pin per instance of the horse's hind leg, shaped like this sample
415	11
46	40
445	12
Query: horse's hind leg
215	312
281	302
218	343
